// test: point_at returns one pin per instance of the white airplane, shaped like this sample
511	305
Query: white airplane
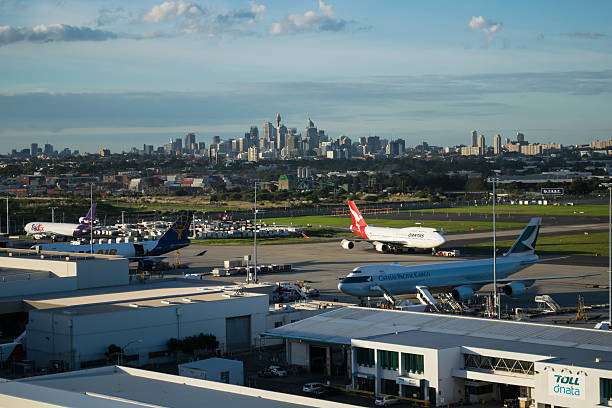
146	253
388	239
44	229
461	278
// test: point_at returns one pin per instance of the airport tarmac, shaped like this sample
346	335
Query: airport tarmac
323	264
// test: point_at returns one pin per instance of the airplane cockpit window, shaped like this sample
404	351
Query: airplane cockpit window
356	270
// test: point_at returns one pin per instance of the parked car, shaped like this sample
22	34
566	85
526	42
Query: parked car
265	373
314	388
277	371
386	400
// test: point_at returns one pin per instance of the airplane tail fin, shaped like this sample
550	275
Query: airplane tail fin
90	218
178	233
359	223
526	242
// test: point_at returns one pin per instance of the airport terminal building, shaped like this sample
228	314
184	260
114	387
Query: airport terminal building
451	359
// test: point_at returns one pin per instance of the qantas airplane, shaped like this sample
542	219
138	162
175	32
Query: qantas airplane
461	278
390	239
146	253
54	229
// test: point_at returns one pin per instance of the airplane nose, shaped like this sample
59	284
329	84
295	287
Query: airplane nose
340	285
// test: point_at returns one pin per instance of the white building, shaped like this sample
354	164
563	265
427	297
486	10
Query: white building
79	336
449	359
214	369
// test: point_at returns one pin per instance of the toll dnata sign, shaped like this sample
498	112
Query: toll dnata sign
564	384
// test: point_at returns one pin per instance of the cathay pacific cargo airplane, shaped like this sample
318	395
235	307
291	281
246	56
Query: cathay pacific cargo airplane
461	278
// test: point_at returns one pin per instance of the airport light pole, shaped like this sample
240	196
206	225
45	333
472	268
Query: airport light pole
91	221
610	258
255	235
53	214
496	303
8	229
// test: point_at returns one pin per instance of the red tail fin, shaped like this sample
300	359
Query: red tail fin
359	223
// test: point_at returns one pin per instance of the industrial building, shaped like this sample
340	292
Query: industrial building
214	369
26	272
451	359
126	387
79	336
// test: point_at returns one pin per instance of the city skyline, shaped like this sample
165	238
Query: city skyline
75	72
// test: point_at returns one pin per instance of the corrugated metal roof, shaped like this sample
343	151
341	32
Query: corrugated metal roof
342	325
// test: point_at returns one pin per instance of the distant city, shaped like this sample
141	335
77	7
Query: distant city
282	142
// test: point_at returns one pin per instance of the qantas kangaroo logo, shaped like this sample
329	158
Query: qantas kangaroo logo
357	217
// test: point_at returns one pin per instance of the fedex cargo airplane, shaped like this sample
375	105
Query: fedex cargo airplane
461	278
388	239
146	253
43	229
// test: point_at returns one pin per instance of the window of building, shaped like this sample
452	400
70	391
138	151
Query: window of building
474	361
365	356
605	389
388	359
413	363
224	377
278	324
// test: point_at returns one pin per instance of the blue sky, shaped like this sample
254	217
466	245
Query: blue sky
90	74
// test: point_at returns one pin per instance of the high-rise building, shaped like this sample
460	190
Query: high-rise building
520	137
482	142
497	149
48	151
33	149
190	140
216	140
268	132
474	139
312	136
253	153
281	137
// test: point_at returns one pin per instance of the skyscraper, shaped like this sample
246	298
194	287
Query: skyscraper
34	149
216	140
48	151
190	140
482	142
312	136
497	149
281	138
520	137
268	132
474	138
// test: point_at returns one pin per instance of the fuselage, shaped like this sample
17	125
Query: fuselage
399	279
57	228
411	237
125	249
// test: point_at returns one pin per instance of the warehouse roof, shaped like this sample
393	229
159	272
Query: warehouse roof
534	352
341	325
130	385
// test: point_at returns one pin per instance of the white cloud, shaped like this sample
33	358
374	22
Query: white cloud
53	32
171	10
324	19
255	13
109	16
485	25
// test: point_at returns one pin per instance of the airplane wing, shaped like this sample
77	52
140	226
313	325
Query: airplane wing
528	280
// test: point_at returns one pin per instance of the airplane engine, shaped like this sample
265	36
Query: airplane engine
514	289
380	247
462	293
346	244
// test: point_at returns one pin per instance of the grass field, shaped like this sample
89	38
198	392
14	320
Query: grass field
587	209
448	226
595	244
260	241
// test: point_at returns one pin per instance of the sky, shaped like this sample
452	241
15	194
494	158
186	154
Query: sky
90	74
